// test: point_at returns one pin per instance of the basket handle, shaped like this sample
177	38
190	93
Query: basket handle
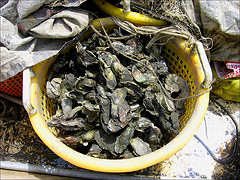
28	73
205	64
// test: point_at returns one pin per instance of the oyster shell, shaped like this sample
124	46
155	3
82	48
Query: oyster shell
117	66
72	113
118	96
164	102
105	107
91	75
96	151
105	141
154	137
123	140
53	88
121	71
101	91
127	154
82	83
86	58
148	103
147	78
173	83
91	96
140	147
136	45
115	124
66	104
121	47
142	124
71	141
91	111
135	108
135	92
70	125
160	67
110	78
89	82
174	120
88	136
69	81
167	125
105	58
57	66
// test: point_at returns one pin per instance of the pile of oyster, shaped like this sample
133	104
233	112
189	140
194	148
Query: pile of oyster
115	101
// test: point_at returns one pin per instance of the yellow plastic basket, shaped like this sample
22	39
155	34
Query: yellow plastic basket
180	59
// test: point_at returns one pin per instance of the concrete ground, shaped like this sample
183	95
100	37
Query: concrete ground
9	174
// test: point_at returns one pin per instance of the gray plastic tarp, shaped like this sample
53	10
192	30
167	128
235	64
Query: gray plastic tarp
220	21
43	41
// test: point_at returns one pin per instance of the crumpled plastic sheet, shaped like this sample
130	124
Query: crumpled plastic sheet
43	42
219	20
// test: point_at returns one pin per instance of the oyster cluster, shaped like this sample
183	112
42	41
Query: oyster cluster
110	106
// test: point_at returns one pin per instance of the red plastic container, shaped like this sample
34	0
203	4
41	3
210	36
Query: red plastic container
12	86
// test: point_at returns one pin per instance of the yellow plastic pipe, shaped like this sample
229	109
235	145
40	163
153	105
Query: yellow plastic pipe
107	22
133	17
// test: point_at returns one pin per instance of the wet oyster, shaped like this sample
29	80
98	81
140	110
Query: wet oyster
66	104
142	124
140	147
91	111
110	78
105	141
96	151
123	140
147	78
148	103
127	154
154	137
71	141
121	71
106	60
105	108
71	125
54	88
86	58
